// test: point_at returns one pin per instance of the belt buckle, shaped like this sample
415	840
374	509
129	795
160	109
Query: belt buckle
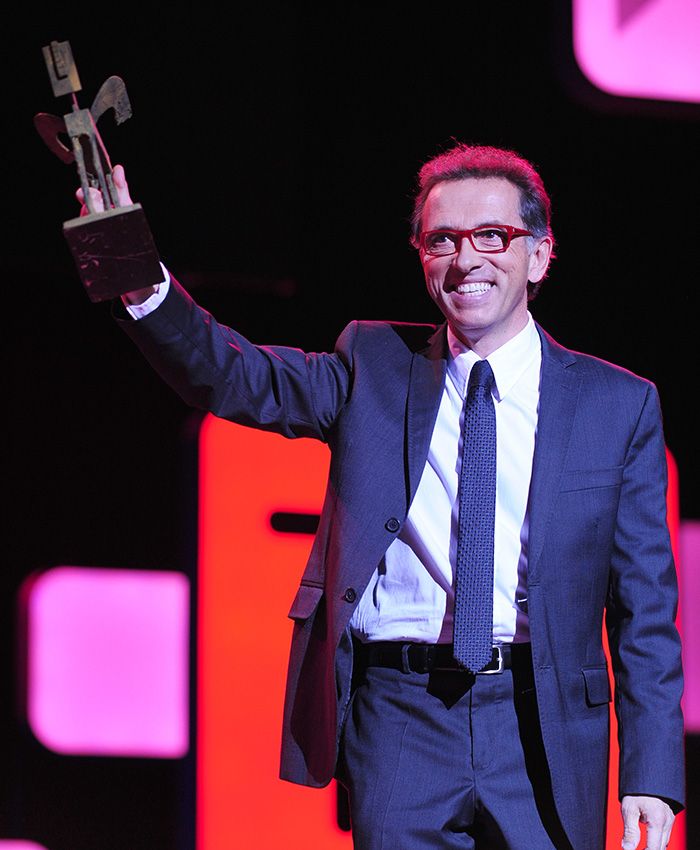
422	660
499	667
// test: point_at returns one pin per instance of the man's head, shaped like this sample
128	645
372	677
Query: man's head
482	282
463	161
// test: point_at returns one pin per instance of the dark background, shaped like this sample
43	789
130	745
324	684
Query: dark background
267	142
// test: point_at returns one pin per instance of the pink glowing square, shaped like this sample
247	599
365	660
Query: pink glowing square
689	557
11	844
107	661
640	48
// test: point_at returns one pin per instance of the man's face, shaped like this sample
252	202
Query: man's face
482	296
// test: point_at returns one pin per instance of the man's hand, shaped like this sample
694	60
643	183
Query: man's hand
652	811
122	187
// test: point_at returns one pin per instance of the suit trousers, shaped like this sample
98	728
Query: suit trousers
447	760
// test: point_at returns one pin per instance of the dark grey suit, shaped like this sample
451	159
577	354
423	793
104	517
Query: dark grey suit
598	537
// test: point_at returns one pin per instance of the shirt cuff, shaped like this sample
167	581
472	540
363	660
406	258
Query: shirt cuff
138	311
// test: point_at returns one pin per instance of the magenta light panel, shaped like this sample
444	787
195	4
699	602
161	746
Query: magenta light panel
640	48
107	661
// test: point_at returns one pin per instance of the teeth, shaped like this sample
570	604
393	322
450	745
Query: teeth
465	288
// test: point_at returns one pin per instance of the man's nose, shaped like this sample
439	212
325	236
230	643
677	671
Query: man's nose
467	257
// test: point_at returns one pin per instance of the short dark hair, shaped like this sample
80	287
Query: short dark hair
464	161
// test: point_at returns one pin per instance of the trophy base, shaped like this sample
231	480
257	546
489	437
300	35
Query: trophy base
114	252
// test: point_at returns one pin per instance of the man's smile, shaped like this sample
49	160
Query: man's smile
477	287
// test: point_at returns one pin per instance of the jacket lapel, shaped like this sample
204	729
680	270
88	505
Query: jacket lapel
426	382
559	390
558	398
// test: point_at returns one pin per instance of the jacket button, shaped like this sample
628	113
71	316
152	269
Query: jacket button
350	595
392	524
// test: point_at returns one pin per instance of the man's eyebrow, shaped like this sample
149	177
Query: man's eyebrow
489	223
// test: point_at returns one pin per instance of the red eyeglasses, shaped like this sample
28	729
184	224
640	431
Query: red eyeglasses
493	239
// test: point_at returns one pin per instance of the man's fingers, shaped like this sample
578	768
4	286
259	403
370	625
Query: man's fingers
652	811
121	186
658	835
96	198
631	813
659	831
631	835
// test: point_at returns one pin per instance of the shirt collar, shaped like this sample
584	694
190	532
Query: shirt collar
508	362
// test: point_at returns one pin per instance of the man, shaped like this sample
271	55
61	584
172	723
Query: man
509	751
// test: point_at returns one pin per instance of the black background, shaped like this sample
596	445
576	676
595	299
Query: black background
266	142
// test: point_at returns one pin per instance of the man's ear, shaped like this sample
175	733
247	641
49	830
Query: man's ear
540	259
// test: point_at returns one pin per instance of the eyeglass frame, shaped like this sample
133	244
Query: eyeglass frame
512	233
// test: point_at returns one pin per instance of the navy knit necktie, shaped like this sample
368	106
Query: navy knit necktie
473	615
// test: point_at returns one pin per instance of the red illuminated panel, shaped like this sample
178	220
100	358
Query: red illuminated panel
248	576
640	48
614	836
107	661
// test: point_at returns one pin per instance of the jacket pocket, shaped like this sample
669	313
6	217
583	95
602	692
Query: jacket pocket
305	602
586	479
597	685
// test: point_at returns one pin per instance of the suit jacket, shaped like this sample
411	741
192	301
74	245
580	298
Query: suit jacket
599	546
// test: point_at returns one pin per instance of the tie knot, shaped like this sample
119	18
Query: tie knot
481	375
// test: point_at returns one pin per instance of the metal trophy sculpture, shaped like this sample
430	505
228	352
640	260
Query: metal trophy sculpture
113	249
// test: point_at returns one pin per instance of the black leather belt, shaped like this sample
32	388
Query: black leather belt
425	657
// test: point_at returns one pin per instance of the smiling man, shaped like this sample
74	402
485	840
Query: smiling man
492	497
480	288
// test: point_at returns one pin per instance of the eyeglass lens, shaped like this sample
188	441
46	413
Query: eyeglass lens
486	239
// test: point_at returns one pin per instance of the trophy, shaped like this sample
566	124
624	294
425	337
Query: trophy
113	248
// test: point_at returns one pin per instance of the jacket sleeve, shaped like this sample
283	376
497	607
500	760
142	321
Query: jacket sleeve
214	368
642	605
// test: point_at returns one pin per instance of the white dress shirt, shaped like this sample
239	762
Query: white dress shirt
411	595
